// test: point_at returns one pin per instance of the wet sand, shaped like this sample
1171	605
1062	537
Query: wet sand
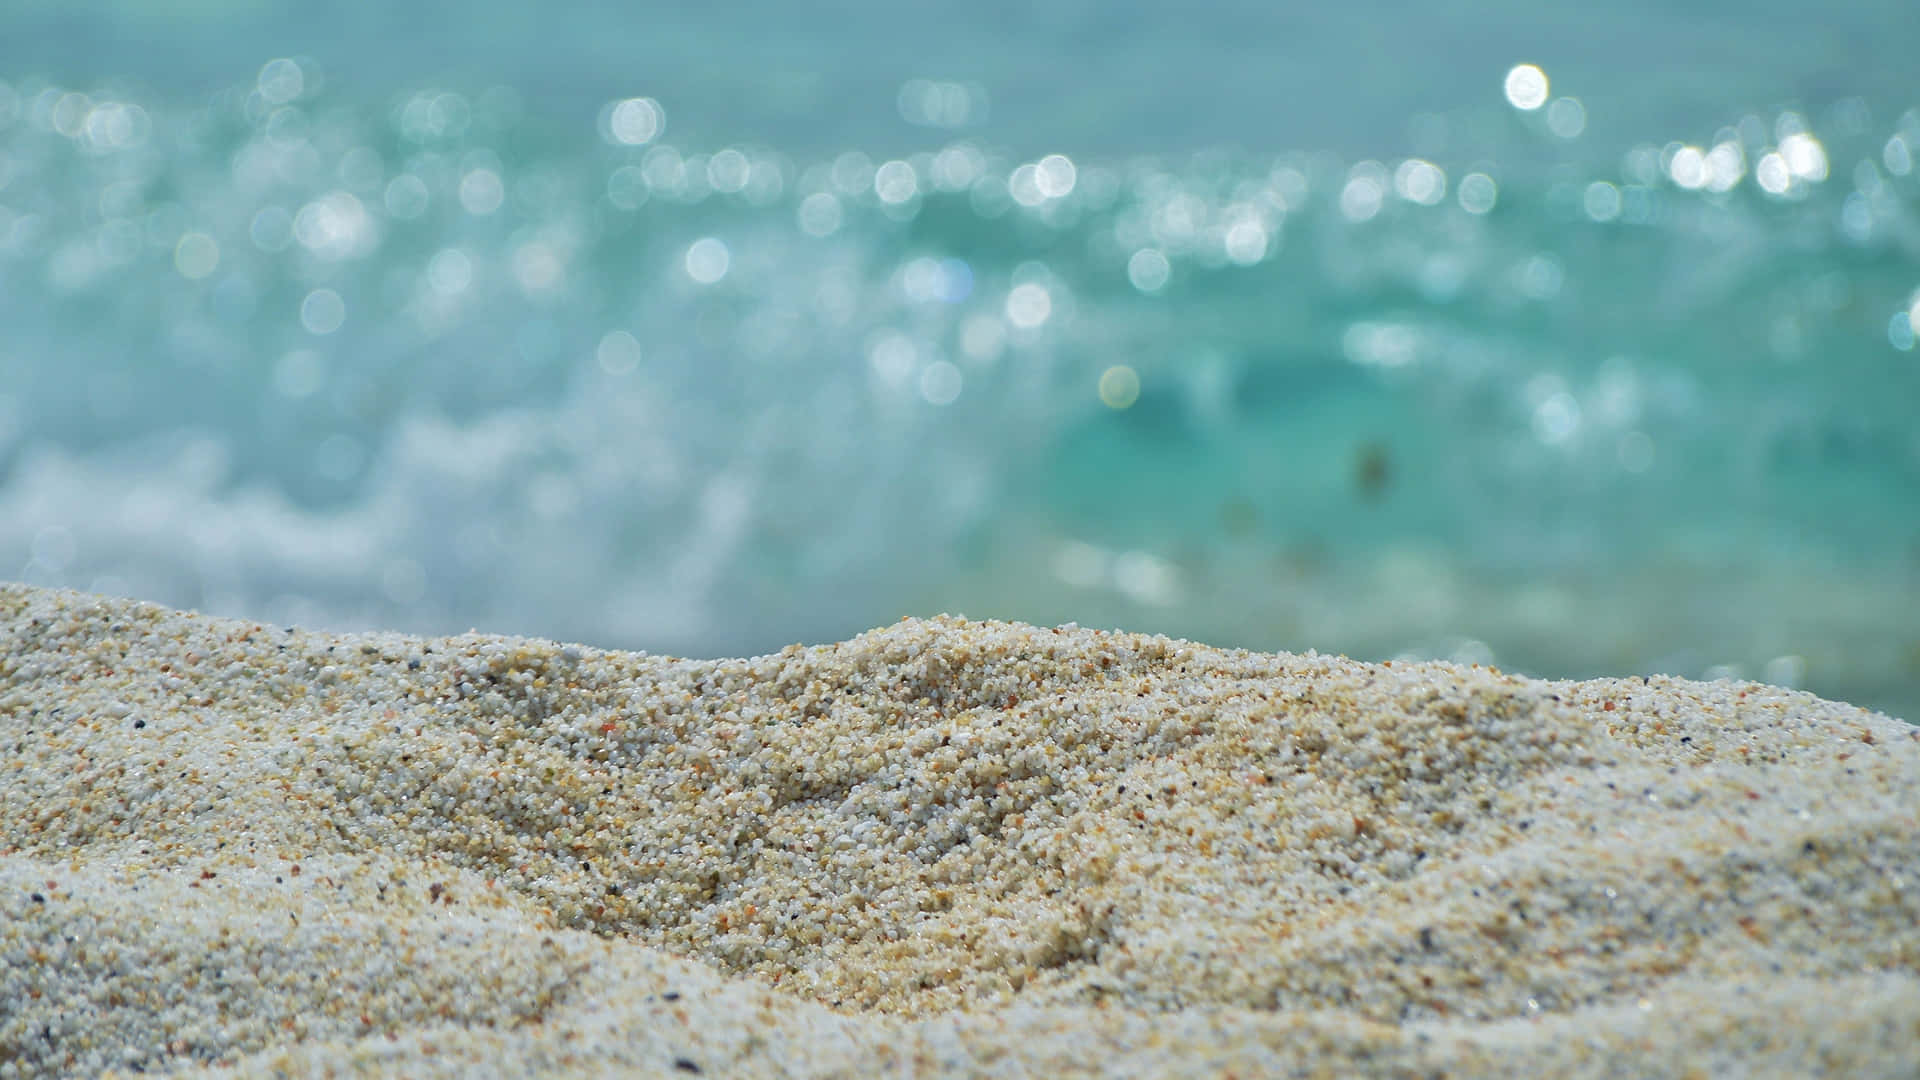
942	848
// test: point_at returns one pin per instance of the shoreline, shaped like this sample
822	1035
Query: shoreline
939	848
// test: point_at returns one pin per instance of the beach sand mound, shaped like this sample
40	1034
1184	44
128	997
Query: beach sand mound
941	848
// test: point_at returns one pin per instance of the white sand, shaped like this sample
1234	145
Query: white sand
939	849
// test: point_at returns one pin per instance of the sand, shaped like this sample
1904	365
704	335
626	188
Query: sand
943	848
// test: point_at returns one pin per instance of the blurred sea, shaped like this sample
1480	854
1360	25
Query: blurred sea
1579	341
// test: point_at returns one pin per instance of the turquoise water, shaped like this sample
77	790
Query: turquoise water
704	333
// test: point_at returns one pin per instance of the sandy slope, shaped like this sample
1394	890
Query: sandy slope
941	848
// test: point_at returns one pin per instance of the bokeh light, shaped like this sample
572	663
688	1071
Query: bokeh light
1806	159
1246	241
940	383
1478	193
634	121
1029	305
894	182
1365	192
618	352
1898	155
1566	117
1601	201
1119	387
1148	270
196	255
281	81
1526	87
939	104
1420	181
406	197
707	260
322	312
482	192
819	214
450	272
1054	176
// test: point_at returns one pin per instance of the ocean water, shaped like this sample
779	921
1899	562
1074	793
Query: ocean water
1574	343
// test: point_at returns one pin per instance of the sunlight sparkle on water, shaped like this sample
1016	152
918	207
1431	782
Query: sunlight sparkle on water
618	353
957	167
1772	173
1900	331
627	187
1805	157
1898	156
449	272
1602	201
1024	185
1055	175
1029	305
1420	181
940	383
1477	193
728	171
633	122
1687	168
1246	241
707	260
196	255
852	173
1148	270
281	81
895	182
322	312
113	125
930	103
1119	386
1526	87
482	192
1567	117
336	226
929	280
406	197
664	171
1365	191
1726	164
819	214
